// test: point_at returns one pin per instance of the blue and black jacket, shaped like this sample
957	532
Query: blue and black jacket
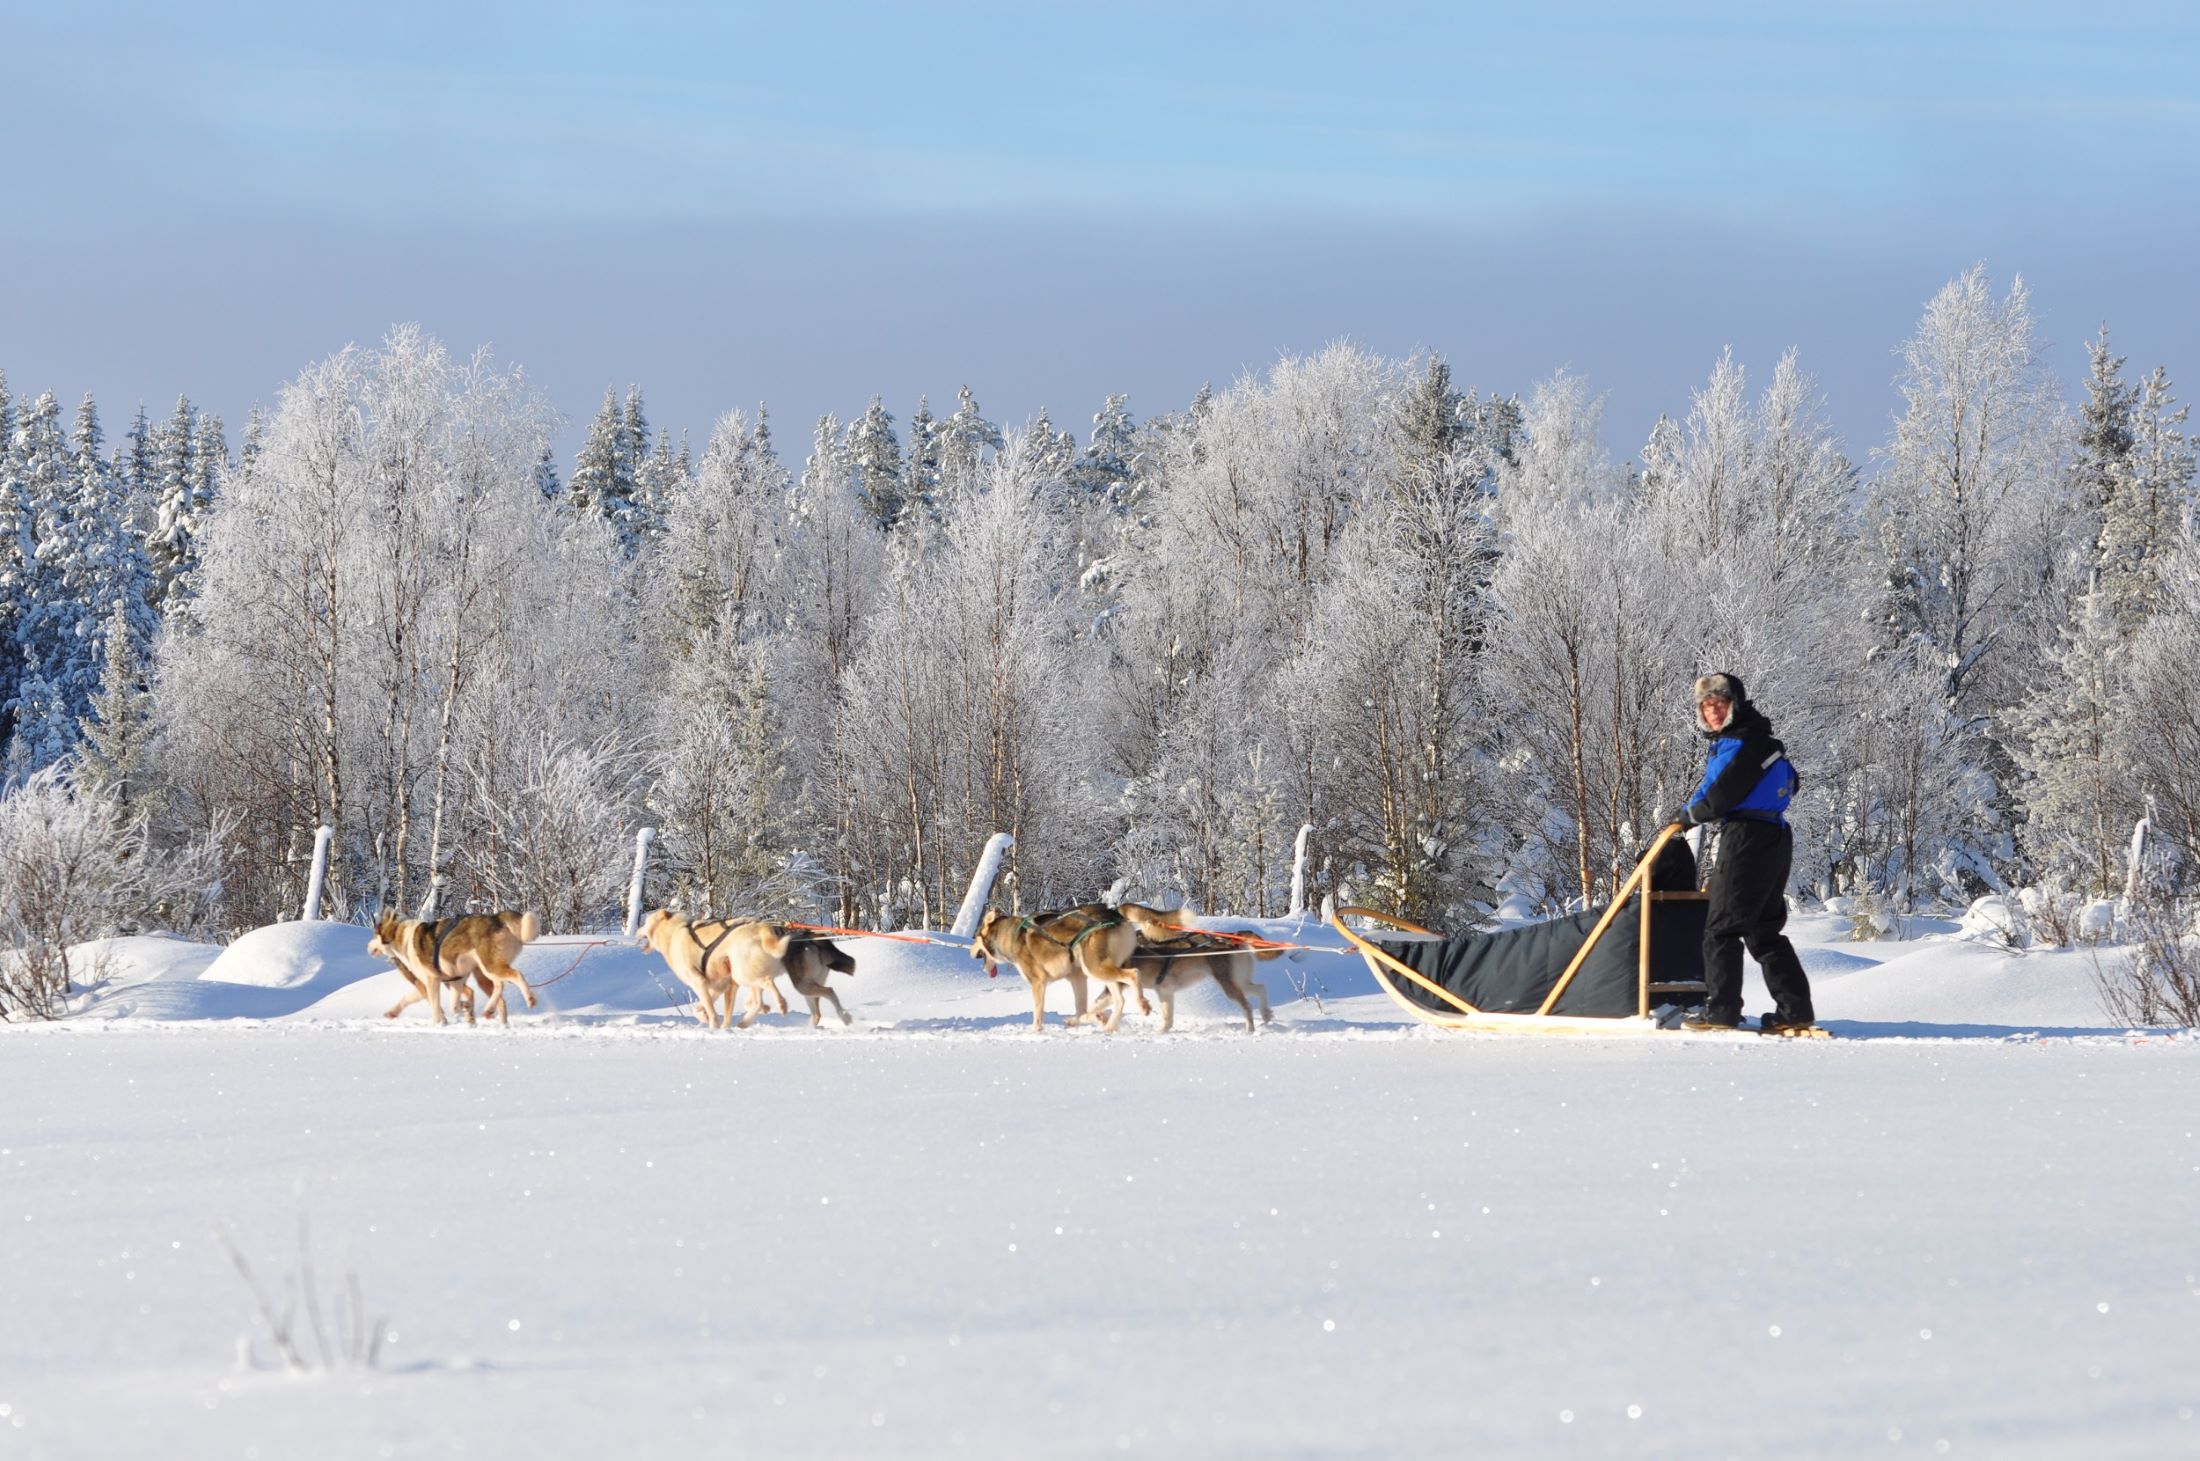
1747	774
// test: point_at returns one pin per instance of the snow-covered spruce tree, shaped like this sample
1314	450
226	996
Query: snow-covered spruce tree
2101	467
184	487
875	457
602	486
1049	455
967	442
1110	459
136	470
717	558
920	486
1971	534
18	557
547	481
82	560
2079	800
2143	522
657	480
113	761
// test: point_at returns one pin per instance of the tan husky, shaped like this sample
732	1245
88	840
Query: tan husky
1091	941
477	946
718	958
1169	974
809	961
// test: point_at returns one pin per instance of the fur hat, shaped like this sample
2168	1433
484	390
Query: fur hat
1721	685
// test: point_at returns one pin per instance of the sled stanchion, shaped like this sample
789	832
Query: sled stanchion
1640	874
1642	959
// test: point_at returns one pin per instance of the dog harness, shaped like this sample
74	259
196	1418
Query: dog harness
440	933
1030	925
711	946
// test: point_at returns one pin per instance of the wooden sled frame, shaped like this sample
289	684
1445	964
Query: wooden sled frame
1387	969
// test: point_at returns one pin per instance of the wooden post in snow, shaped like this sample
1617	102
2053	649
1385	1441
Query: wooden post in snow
318	878
981	885
642	839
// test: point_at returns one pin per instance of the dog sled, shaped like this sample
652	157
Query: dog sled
1629	969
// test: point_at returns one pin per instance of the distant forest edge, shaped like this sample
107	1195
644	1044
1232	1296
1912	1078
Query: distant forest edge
1443	628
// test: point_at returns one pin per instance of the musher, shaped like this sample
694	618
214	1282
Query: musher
1747	784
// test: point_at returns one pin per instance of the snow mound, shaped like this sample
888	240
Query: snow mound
296	956
1964	987
1820	962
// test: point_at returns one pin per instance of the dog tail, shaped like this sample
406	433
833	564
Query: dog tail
1154	924
838	959
776	939
526	925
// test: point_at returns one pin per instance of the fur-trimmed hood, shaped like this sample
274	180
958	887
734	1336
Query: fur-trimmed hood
1727	687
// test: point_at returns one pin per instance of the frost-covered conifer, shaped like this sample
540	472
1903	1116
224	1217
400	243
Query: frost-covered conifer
1050	455
113	760
966	441
2150	507
183	494
602	486
546	476
1110	457
875	456
2078	799
921	484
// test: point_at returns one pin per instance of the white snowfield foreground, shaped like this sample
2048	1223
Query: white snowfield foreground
609	1232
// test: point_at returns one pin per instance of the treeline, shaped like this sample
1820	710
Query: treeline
1446	630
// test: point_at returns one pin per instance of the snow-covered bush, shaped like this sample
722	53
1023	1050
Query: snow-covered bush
1995	919
1867	917
73	867
2158	983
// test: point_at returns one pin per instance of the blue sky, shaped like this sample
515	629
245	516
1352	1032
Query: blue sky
812	204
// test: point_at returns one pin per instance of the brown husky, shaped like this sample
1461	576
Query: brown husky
809	961
718	957
478	946
1089	941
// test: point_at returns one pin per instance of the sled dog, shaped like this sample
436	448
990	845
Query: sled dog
1091	941
718	958
1169	974
476	946
809	961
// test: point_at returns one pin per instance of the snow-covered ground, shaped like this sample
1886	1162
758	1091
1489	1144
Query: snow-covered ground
1968	1228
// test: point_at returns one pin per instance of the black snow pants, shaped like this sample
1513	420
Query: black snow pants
1749	907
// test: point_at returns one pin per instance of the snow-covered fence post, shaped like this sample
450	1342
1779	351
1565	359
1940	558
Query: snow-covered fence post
981	885
318	878
642	839
2134	876
1298	870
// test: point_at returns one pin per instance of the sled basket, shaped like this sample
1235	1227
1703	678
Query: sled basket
1595	972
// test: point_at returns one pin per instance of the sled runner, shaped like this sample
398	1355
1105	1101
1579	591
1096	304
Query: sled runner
1594	973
